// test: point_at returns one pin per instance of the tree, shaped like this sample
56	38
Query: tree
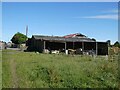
19	38
117	44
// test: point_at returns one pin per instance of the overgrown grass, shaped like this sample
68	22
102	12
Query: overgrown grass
6	72
0	69
59	71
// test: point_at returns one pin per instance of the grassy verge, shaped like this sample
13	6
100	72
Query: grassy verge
0	69
58	71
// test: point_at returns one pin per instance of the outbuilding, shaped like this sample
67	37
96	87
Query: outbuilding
77	42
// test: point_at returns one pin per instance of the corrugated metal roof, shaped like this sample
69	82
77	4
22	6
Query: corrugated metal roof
74	35
62	39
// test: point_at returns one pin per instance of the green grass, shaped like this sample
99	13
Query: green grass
58	71
0	69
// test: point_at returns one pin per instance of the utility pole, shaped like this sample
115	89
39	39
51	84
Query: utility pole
26	30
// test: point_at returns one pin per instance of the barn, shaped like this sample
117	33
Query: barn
77	41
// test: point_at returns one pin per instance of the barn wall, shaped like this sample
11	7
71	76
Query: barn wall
35	45
38	45
32	46
29	44
102	48
89	45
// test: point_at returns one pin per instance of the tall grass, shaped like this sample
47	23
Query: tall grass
0	69
60	71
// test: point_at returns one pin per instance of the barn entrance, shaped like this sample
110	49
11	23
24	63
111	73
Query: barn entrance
73	45
54	45
98	48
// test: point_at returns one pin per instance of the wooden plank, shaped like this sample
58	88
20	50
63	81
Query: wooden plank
96	48
82	46
44	45
65	46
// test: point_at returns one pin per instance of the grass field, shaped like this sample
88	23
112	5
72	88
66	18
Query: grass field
32	70
0	69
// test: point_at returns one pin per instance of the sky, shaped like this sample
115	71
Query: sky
94	19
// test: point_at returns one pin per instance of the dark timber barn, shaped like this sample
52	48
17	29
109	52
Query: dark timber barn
73	41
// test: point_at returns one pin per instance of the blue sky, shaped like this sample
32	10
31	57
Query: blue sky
94	19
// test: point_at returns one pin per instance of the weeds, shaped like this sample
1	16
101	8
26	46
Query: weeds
60	71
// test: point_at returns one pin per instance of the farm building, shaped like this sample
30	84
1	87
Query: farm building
78	42
2	45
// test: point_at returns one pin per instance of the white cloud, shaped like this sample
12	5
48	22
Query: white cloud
108	14
113	17
115	11
112	11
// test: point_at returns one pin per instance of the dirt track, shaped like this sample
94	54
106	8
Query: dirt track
13	74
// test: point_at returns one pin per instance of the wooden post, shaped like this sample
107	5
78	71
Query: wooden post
73	45
65	46
44	45
66	51
96	49
82	46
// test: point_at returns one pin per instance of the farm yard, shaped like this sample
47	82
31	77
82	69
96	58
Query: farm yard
38	70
